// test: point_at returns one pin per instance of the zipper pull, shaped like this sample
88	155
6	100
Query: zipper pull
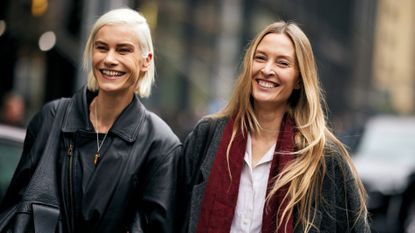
70	150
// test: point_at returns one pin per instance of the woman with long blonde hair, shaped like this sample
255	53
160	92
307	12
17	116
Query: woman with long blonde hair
268	162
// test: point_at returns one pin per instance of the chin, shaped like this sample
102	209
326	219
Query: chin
109	88
263	98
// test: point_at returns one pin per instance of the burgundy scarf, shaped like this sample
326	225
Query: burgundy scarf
221	194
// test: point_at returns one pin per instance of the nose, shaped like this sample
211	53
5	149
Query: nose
110	58
268	69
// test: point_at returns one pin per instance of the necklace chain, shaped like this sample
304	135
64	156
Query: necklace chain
99	144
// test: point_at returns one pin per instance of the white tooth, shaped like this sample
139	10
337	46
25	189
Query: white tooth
112	73
265	84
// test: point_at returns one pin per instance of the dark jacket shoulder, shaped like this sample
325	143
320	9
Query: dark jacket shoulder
205	128
40	126
338	163
159	129
46	114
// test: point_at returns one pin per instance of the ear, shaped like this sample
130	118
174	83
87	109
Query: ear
146	62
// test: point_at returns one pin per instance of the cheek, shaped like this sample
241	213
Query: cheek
132	62
95	59
255	69
134	67
291	78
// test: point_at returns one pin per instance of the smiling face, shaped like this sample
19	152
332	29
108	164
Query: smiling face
117	60
274	71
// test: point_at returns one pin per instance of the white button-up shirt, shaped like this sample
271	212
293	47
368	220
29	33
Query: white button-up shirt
252	192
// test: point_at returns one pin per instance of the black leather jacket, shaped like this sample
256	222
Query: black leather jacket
133	188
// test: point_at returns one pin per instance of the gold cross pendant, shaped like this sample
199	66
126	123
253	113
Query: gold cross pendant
96	159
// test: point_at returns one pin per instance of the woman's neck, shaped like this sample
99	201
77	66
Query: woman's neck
269	120
267	135
105	109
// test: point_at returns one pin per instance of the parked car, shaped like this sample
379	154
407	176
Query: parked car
11	146
385	160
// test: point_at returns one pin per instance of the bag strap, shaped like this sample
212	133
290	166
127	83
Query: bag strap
41	192
42	185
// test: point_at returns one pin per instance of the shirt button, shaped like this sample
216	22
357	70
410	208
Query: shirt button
245	221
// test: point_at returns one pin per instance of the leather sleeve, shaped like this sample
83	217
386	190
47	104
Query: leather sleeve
156	212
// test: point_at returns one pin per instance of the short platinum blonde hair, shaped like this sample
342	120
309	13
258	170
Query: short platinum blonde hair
123	16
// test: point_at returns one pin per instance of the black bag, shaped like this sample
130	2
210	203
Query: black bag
38	210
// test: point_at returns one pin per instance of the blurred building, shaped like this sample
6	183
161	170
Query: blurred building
40	49
203	44
393	66
199	46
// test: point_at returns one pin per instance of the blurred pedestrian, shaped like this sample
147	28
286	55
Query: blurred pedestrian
267	162
99	161
12	110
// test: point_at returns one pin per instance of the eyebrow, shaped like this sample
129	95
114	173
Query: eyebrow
118	44
259	51
288	57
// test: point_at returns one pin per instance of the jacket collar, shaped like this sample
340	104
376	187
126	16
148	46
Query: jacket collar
126	126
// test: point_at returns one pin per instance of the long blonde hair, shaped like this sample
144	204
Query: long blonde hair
304	176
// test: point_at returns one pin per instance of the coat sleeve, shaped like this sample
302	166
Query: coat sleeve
358	222
36	133
156	211
347	199
194	151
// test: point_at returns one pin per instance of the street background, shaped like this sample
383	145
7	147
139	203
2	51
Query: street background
364	50
365	53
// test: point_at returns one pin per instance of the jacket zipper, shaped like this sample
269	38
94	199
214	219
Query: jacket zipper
70	188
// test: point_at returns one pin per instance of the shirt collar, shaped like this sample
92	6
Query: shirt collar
126	126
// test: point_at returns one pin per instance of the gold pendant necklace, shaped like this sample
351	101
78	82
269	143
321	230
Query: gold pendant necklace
99	144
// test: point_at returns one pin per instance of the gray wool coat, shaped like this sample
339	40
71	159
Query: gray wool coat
340	191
